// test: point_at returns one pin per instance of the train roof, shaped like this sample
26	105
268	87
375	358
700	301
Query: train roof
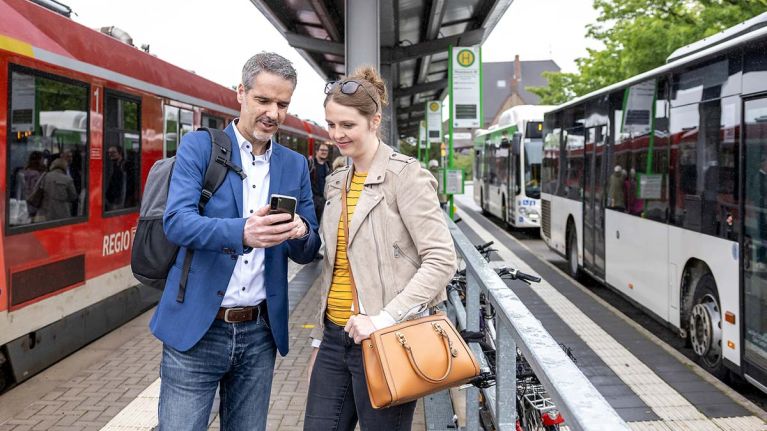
754	33
30	30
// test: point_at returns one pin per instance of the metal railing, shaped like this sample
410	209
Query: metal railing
581	405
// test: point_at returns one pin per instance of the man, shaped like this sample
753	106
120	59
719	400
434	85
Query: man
116	179
319	169
234	315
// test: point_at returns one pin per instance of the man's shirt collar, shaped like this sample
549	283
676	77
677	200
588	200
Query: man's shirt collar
247	147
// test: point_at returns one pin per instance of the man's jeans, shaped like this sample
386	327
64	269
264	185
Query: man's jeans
338	392
239	356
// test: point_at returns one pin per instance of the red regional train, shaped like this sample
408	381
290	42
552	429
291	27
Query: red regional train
91	113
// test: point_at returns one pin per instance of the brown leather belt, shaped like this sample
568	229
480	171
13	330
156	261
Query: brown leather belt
242	314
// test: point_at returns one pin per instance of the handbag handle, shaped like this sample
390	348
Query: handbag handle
345	217
450	350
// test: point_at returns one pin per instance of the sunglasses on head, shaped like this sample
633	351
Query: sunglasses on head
348	87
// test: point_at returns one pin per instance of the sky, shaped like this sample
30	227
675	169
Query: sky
214	39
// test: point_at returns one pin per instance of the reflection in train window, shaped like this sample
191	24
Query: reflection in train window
48	146
122	143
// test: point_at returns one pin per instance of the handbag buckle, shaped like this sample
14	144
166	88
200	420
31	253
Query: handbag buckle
441	331
401	339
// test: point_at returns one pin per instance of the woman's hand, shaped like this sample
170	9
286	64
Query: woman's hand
310	367
359	327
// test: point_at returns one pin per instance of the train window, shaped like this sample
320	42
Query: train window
178	122
705	171
212	122
47	148
170	144
122	140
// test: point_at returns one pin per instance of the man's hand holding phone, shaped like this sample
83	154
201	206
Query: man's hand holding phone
267	228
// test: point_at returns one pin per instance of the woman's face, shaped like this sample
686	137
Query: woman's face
352	132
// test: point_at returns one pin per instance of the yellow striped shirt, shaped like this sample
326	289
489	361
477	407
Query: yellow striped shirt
340	297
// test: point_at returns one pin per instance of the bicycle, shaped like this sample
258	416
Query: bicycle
535	409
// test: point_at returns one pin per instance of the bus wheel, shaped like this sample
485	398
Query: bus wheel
706	327
572	253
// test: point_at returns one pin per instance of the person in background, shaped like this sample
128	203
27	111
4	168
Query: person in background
58	193
395	222
27	178
319	169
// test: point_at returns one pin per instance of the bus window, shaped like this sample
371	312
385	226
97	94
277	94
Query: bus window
122	140
533	159
637	182
551	149
47	142
574	180
705	157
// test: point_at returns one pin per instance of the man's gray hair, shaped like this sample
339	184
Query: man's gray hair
268	62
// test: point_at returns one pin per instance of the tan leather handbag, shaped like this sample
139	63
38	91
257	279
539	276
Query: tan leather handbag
414	358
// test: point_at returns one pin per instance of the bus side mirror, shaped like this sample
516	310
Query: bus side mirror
516	141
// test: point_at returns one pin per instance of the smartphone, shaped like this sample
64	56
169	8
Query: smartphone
281	204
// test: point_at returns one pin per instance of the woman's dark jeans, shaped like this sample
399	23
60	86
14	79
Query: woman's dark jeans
338	393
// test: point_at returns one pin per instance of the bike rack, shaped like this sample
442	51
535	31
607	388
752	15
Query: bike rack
582	406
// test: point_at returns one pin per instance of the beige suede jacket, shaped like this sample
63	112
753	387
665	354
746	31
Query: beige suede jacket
399	246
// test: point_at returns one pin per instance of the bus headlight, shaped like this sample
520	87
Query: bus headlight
523	211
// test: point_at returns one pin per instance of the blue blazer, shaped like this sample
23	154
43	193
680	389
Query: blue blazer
216	238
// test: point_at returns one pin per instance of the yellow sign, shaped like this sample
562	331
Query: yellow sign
442	149
433	106
466	57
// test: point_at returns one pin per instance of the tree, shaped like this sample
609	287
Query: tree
638	35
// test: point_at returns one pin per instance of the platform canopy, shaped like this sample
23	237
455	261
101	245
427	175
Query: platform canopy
413	37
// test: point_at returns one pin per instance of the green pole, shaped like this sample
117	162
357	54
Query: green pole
450	200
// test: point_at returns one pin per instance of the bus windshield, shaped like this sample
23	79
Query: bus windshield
532	160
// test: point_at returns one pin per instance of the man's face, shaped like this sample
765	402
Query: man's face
322	153
113	154
264	107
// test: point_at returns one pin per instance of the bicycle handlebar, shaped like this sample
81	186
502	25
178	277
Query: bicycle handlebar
485	245
517	274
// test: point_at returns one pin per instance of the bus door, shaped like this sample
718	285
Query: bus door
593	201
754	252
486	160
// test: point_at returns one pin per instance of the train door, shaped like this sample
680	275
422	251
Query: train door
754	254
593	200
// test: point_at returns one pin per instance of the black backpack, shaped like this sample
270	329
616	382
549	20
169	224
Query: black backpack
153	255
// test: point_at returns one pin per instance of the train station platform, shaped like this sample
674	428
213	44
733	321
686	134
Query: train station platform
112	384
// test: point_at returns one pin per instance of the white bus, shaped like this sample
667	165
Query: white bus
657	186
507	166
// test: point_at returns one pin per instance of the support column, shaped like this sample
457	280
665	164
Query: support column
362	34
389	125
363	47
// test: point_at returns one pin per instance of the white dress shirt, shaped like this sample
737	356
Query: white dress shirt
246	287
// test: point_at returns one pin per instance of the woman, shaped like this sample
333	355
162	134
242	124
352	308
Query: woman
399	248
58	193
